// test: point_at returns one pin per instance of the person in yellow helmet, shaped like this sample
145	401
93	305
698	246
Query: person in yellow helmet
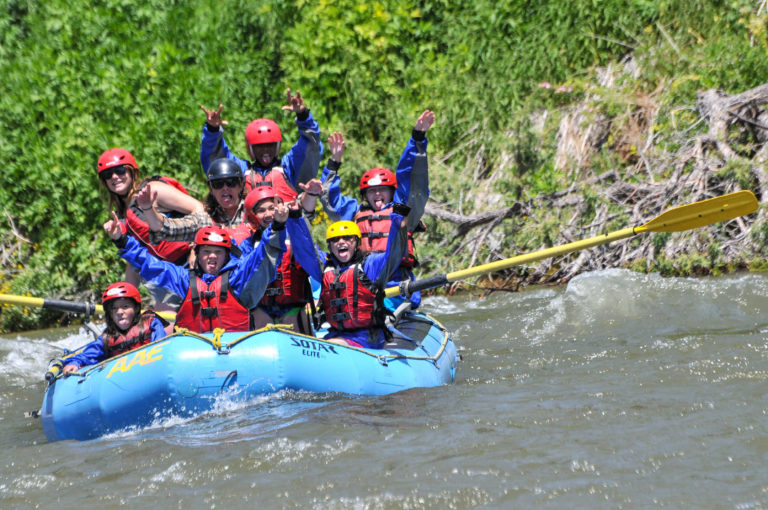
352	293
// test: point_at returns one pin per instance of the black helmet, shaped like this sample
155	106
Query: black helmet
224	168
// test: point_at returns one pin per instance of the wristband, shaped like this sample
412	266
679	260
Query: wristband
277	226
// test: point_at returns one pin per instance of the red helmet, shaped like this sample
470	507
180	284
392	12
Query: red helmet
115	157
377	177
252	200
213	236
119	290
262	131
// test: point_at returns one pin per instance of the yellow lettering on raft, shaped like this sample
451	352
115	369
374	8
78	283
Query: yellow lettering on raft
142	358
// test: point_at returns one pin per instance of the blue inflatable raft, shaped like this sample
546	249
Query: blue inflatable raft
185	373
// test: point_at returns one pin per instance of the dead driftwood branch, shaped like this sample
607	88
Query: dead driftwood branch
689	175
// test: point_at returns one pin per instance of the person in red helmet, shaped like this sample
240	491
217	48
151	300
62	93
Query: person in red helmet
119	173
223	207
221	287
127	328
380	188
285	299
263	139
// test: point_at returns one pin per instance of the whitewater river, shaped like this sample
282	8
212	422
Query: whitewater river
619	390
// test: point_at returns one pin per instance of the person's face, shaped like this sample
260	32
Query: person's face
118	179
343	248
379	196
211	258
264	153
265	211
227	192
122	311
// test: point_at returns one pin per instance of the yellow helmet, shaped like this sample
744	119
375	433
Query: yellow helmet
343	228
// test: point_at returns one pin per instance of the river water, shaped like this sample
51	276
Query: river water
619	390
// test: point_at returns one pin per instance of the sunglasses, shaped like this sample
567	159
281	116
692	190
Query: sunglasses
345	238
231	182
117	170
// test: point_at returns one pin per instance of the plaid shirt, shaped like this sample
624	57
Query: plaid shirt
185	228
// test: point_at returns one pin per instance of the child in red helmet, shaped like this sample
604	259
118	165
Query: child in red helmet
285	299
222	287
380	188
263	139
127	328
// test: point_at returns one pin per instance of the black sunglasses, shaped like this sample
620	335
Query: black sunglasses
108	173
231	182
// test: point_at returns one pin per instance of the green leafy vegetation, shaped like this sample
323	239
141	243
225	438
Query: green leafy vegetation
81	77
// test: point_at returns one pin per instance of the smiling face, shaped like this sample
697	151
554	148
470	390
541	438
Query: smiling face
122	311
264	153
343	248
379	196
116	183
211	259
265	212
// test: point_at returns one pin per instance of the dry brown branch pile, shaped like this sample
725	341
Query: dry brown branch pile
657	182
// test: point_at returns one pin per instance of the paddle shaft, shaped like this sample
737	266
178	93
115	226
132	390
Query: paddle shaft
439	280
676	219
53	304
64	306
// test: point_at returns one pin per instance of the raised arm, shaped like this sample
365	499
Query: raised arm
301	162
160	272
212	144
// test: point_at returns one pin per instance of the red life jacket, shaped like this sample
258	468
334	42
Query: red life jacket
139	334
290	284
275	178
172	251
239	233
207	307
374	229
350	299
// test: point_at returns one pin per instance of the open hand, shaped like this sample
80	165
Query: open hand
313	187
336	144
425	120
146	198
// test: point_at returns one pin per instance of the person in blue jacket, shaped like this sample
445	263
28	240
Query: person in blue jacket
381	188
218	274
287	296
127	328
352	294
263	139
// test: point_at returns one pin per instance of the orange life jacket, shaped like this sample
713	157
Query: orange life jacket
275	178
374	229
139	334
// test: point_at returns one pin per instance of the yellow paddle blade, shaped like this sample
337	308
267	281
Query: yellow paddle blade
699	214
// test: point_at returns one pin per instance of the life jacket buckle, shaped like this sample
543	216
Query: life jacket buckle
339	302
209	312
340	317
